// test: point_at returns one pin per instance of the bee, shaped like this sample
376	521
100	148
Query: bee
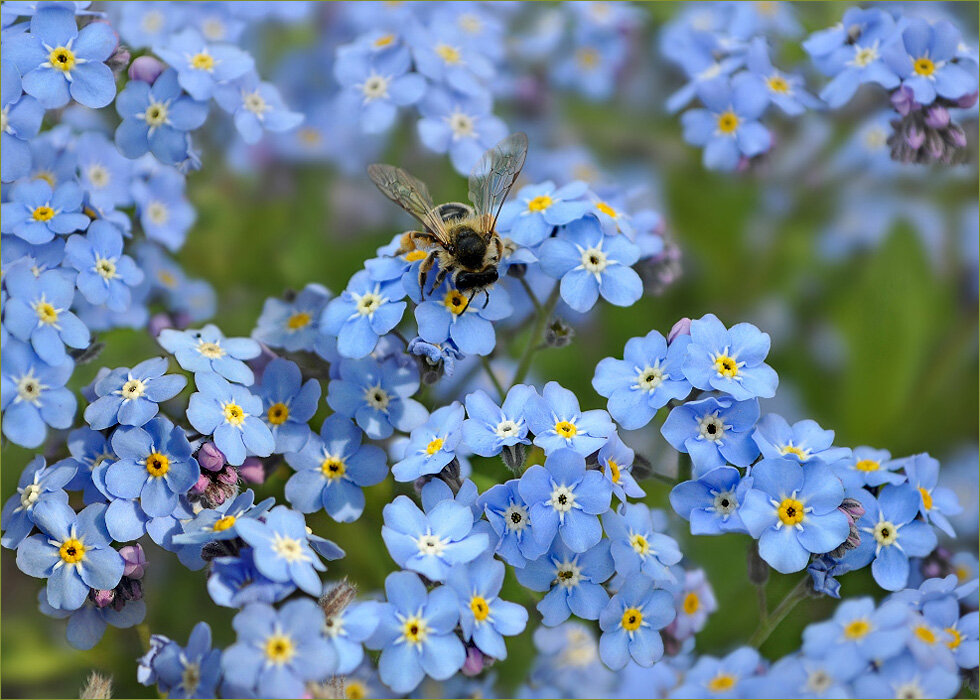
461	238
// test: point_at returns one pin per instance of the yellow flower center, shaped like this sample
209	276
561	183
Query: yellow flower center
279	649
156	114
157	464
587	58
540	203
641	546
857	629
309	136
727	122
480	609
413	255
278	413
46	313
355	690
790	511
234	414
924	66
414	630
721	683
926	498
632	619
202	61
62	58
223	523
43	213
47	176
454	301
333	467
691	603
606	209
726	366
565	429
925	634
794	450
434	446
447	53
298	320
867	465
167	279
383	41
954	637
72	551
614	471
777	83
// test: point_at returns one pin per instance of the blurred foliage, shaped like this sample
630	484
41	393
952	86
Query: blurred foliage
904	380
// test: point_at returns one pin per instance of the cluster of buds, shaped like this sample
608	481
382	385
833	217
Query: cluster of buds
130	586
219	480
853	510
927	134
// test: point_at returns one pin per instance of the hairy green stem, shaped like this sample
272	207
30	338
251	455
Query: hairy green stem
537	331
769	624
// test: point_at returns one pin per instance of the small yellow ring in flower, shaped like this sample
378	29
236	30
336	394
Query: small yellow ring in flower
333	467
62	58
234	414
223	523
72	551
481	610
540	203
867	465
691	603
454	301
298	320
727	122
924	66
791	512
434	446
157	464
202	61
632	619
43	213
278	413
566	429
856	629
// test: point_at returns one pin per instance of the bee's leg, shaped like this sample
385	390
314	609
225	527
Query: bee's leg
440	276
410	241
486	297
424	268
468	300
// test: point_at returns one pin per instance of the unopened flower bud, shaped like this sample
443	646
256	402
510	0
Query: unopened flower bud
956	135
159	322
336	600
96	688
102	598
682	327
967	101
228	475
252	471
514	456
853	510
202	484
558	334
135	560
475	661
937	117
146	68
915	137
903	100
210	457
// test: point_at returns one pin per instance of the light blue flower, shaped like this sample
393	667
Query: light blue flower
532	215
131	396
364	311
288	402
937	504
448	314
59	62
508	515
22	116
165	213
37	311
188	672
636	546
868	467
564	498
71	552
432	445
616	461
33	395
484	618
377	396
461	125
729	127
157	118
87	624
208	350
589	263
573	581
347	631
729	360
255	107
903	677
793	512
232	414
925	60
783	90
441	57
375	83
645	380
283	549
235	582
630	623
105	175
489	428
292	324
714	432
91	453
711	502
36	213
557	422
416	633
730	673
201	65
858	630
332	468
431	543
38	483
105	275
804	442
220	523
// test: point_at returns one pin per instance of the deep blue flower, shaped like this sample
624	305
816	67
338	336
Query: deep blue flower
208	350
59	62
200	65
557	422
37	213
155	465
416	633
72	553
489	428
38	483
711	502
729	129
130	396
432	445
37	311
564	498
449	314
220	523
234	582
804	442
616	460
729	360
277	652
22	116
532	215
630	623
377	396
461	125
434	354
295	324
858	630
431	543
867	466
289	403
87	624
233	415
33	395
484	618
157	118
636	546
508	515
793	512
332	468
347	631
256	107
645	380
924	60
890	534
573	581
366	310
105	275
714	432
282	548
188	672
937	504
590	263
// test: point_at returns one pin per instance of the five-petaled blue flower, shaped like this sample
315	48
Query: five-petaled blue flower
332	468
630	623
937	503
188	672
38	483
22	116
202	66
858	630
377	396
924	58
484	618
288	402
508	515
130	396
432	445
489	428
375	84
365	311
636	546
557	422
37	213
868	467
282	548
105	275
537	210
256	107
448	314
804	441
714	432
232	414
208	350
234	582
711	501
348	629
33	395
729	129
729	360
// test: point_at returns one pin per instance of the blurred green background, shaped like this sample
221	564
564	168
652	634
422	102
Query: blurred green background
881	347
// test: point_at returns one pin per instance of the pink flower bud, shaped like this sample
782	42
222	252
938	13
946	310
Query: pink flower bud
915	137
202	484
937	117
967	101
252	471
682	327
159	322
474	662
146	68
135	560
103	598
228	475
210	457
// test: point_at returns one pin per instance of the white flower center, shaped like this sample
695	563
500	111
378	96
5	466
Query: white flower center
368	303
462	125
375	87
885	533
377	398
819	681
98	175
210	350
155	114
711	427
864	55
29	389
562	499
152	22
649	378
516	517
105	267
29	496
875	139
334	626
255	103
190	677
5	121
724	503
568	574
430	545
594	260
508	428
213	29
133	389
157	213
288	548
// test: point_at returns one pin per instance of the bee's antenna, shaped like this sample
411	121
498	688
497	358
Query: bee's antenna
486	297
469	300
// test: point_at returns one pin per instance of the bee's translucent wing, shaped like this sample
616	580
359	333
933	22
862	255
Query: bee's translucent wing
495	174
410	194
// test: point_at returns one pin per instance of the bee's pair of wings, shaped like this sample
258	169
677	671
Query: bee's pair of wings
490	182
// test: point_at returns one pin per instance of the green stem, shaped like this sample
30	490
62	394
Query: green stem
760	591
769	624
544	314
493	377
530	294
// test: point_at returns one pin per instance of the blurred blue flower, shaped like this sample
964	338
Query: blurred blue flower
288	402
130	396
292	324
105	275
364	311
165	213
22	116
33	395
103	173
729	129
729	360
557	422
440	56
484	618
925	61
489	428
91	453
711	502
858	630
202	65
901	675
725	677
256	107
377	396
630	623
282	548
936	504
332	468
36	213
784	91
714	432
867	466
188	672
38	483
232	414
459	125
432	445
